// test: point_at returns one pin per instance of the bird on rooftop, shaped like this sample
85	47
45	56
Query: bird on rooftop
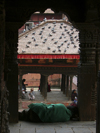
48	48
27	46
23	51
50	34
36	44
60	37
41	36
33	33
26	36
29	42
56	42
64	50
54	51
49	27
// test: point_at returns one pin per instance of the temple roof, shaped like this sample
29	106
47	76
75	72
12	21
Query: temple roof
50	37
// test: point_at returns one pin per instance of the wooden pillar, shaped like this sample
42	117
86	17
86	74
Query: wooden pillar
63	84
12	76
67	86
20	91
98	105
70	91
41	83
44	87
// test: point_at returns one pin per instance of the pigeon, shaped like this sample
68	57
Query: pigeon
75	46
59	50
54	51
64	50
27	46
65	40
65	26
32	37
33	33
45	39
60	27
54	22
75	37
26	36
62	44
52	39
63	33
40	33
53	31
72	32
36	44
55	25
56	42
66	30
23	51
48	48
60	37
58	46
61	23
41	36
43	28
46	24
68	44
72	42
50	34
49	27
29	42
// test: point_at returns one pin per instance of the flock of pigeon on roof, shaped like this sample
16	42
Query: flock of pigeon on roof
50	37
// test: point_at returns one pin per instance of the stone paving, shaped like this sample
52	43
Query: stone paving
65	127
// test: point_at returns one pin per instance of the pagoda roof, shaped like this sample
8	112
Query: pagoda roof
50	37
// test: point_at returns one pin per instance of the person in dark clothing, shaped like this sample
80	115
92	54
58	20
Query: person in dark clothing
48	87
73	95
24	85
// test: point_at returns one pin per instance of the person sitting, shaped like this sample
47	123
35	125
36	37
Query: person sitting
73	95
31	94
74	109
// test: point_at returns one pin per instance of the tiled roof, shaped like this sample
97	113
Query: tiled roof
50	37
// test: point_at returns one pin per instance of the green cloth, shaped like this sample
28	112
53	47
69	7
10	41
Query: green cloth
51	112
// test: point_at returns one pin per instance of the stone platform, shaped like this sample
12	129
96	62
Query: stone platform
53	97
65	127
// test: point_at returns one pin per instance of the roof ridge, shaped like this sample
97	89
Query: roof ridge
44	22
